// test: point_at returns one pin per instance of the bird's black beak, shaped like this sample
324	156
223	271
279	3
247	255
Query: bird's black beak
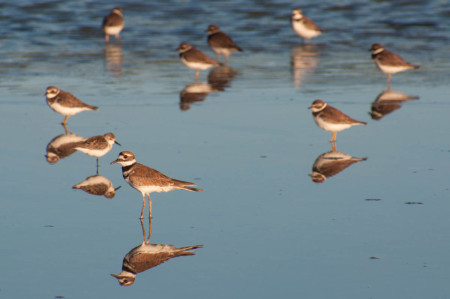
117	143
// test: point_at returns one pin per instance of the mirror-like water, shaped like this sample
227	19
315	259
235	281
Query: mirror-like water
282	214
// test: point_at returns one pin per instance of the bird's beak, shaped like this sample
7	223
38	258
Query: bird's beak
310	107
117	188
114	162
117	143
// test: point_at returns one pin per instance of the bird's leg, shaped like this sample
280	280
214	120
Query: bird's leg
97	165
117	36
389	82
333	137
196	75
333	146
143	231
66	129
226	59
65	120
143	206
149	218
107	37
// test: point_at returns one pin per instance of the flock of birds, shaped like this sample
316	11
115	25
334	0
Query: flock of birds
147	180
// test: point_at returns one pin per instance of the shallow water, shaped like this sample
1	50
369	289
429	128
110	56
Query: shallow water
376	229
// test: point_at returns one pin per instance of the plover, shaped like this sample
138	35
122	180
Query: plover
113	23
388	62
304	26
195	59
147	180
221	43
65	103
331	119
97	146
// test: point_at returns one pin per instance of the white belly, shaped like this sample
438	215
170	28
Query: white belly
95	152
150	189
67	110
331	126
389	69
196	65
304	32
113	30
224	51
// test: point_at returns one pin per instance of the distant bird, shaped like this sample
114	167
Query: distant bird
113	23
388	62
65	103
331	119
221	43
304	26
331	163
146	256
147	180
195	59
97	146
97	185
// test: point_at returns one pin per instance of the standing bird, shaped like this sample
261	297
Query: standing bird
97	146
65	103
147	180
195	59
331	119
221	43
113	23
304	26
388	62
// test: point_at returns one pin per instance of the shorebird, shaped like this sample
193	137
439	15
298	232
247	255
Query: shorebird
147	180
388	62
65	103
221	43
97	146
113	23
331	119
195	59
304	26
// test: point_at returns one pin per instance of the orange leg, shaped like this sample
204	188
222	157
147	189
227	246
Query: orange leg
65	120
149	206
196	75
333	146
333	137
389	82
107	37
117	36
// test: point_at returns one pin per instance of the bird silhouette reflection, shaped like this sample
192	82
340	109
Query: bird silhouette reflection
387	102
146	256
331	163
62	146
114	58
304	61
221	77
97	185
193	93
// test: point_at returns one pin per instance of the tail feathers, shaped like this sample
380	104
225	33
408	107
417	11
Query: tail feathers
95	108
416	66
188	250
191	189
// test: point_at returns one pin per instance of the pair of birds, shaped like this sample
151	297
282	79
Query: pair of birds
220	42
387	61
141	177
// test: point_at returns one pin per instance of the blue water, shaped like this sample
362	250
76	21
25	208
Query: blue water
377	229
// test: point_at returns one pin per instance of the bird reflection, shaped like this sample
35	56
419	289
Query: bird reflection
331	163
220	77
97	185
62	146
114	58
304	61
387	102
194	92
146	256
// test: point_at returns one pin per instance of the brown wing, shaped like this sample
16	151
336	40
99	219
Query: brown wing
222	40
334	167
144	175
388	58
334	115
70	100
112	20
95	142
97	189
310	24
195	55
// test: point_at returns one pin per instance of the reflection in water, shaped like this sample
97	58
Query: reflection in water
304	61
195	92
220	77
146	256
331	163
62	146
97	185
387	102
114	58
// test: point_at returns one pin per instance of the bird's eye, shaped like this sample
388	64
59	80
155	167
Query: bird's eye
125	156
